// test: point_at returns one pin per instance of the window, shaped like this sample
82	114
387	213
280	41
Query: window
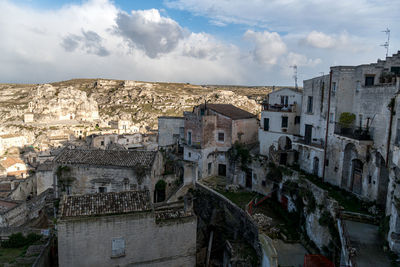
118	247
395	70
369	80
284	100
202	112
310	104
333	88
266	124
102	189
297	120
360	119
189	138
189	154
284	122
209	168
221	137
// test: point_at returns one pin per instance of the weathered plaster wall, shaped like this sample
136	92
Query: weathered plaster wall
88	241
169	128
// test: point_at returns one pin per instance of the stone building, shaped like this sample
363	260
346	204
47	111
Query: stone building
14	167
125	229
125	141
210	131
310	143
11	140
123	126
80	171
280	122
350	132
171	130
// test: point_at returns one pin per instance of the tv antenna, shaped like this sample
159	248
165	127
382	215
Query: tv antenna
295	75
386	44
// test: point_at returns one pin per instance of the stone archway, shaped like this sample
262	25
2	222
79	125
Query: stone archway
350	153
159	191
284	143
383	180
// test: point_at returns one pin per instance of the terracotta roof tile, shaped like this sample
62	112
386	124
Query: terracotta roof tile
9	161
105	203
119	158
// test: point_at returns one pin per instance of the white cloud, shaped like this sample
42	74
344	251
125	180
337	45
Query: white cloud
320	40
148	30
268	46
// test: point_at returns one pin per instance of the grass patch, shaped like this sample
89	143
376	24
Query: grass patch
241	199
8	255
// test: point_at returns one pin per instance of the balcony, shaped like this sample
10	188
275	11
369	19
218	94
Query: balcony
353	132
318	143
279	107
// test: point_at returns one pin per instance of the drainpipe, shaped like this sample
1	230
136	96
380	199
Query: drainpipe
327	125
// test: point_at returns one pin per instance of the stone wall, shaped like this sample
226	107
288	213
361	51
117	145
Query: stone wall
170	130
215	212
88	241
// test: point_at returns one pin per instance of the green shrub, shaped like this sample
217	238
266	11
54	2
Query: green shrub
347	118
19	240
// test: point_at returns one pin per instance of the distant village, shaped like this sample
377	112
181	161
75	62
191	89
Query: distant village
317	168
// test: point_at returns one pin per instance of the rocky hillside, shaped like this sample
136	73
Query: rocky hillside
97	101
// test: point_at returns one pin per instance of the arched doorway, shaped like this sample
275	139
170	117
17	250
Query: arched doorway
159	192
383	181
356	176
284	143
316	166
350	153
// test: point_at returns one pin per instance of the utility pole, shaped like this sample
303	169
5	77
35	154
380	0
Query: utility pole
386	44
295	75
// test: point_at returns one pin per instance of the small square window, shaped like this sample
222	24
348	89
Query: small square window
221	137
102	189
118	247
369	80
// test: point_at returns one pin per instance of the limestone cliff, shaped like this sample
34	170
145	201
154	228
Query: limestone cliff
40	108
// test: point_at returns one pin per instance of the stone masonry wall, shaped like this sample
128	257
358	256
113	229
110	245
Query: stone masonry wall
88	241
214	211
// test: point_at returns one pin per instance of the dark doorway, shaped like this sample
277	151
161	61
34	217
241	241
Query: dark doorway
283	159
221	169
249	180
357	176
308	134
316	166
159	192
383	182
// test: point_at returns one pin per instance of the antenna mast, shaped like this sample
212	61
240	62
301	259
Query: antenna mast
386	44
295	75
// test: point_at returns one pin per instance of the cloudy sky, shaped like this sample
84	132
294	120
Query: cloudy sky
247	42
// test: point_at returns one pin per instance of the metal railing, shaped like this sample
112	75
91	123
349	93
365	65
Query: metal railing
353	132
